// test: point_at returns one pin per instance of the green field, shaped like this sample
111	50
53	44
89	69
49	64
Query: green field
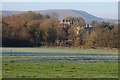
60	70
59	63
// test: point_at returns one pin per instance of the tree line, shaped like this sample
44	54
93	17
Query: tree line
34	29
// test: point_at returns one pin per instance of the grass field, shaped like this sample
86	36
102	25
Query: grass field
60	70
59	63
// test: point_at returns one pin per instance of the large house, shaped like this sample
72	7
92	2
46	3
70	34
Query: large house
66	23
88	28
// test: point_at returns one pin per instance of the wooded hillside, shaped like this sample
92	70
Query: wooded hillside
32	29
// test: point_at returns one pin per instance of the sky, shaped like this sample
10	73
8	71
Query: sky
99	9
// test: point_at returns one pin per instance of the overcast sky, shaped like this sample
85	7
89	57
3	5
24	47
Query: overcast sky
99	9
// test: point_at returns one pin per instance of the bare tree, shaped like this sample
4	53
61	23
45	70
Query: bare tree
55	15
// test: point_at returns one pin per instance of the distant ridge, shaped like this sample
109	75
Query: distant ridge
62	13
8	13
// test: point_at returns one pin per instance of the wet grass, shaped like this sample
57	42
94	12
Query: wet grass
45	65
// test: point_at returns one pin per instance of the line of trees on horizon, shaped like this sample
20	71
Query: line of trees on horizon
34	29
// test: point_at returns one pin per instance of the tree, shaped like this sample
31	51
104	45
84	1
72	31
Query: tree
48	26
79	29
34	32
90	40
81	22
54	15
102	38
106	25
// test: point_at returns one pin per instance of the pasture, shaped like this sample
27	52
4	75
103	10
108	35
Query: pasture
60	70
59	63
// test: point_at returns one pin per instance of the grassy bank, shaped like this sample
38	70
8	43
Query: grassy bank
60	69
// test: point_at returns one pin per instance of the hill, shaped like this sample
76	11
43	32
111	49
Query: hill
62	13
